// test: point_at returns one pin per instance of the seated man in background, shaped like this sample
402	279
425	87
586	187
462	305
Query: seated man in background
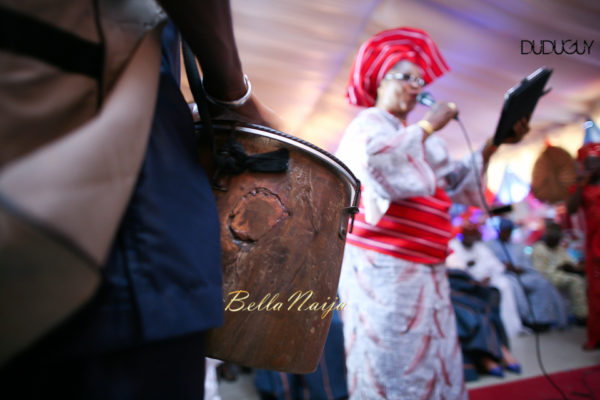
477	259
540	304
482	336
553	261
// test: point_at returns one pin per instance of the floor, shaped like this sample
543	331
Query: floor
559	351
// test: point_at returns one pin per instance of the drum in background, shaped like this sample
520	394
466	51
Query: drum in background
553	173
282	237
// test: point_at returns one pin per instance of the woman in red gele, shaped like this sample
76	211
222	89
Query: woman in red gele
399	327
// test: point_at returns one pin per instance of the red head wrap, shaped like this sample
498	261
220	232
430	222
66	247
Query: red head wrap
588	150
384	50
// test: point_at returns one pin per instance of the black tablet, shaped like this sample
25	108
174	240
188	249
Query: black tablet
520	101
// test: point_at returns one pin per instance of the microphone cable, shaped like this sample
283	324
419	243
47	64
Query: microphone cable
509	258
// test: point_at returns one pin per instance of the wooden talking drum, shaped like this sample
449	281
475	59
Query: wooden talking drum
282	237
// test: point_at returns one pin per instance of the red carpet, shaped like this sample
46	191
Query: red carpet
576	384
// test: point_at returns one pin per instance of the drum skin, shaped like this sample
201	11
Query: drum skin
282	237
553	173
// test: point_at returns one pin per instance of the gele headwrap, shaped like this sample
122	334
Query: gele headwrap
384	50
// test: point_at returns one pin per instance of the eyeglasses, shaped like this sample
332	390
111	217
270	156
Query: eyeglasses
413	80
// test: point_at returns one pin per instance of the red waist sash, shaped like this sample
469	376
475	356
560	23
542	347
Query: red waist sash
416	229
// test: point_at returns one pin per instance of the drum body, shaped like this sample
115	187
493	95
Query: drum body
282	237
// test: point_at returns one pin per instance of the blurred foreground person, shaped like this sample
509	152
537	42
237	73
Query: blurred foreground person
100	155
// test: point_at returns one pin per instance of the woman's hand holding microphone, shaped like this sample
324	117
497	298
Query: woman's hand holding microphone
437	117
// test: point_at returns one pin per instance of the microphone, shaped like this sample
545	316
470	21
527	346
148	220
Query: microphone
426	99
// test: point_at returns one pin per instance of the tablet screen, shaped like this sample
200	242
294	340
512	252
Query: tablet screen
520	101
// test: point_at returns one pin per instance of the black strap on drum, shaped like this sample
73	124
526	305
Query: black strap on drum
191	70
27	36
233	159
230	157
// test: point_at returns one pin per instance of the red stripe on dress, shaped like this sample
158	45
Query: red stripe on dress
380	229
348	347
422	224
391	250
419	206
416	229
420	355
436	284
439	200
407	246
438	204
442	202
437	324
407	272
361	280
434	230
380	388
418	310
371	332
430	386
414	224
445	373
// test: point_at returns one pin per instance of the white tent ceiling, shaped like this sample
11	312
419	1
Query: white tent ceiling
298	53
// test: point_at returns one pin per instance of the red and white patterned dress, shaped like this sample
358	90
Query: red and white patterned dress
399	327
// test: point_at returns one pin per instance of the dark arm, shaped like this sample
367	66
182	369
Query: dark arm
207	26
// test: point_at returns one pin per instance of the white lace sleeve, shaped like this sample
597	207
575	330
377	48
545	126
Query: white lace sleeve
460	179
389	160
396	161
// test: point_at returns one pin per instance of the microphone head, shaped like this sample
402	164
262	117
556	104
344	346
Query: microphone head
426	99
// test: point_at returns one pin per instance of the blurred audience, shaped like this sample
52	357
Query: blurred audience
539	302
472	255
563	271
482	336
